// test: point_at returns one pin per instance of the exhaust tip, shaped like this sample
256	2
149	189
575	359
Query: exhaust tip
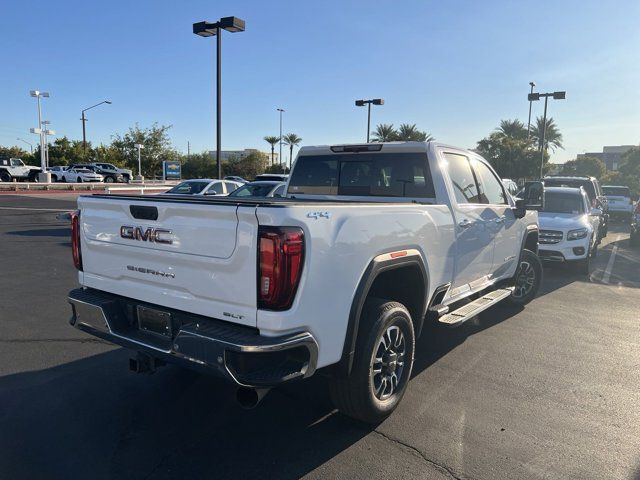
249	398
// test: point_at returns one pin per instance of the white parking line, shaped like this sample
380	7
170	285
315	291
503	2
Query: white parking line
37	209
612	258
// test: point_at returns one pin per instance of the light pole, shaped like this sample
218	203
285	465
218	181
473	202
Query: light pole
362	103
532	84
46	131
534	97
207	29
280	154
139	146
37	94
30	144
84	121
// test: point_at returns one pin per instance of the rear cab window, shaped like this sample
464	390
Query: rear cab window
616	191
399	174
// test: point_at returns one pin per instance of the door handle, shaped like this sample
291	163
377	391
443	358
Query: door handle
465	223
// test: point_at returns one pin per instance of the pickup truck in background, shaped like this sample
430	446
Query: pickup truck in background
371	243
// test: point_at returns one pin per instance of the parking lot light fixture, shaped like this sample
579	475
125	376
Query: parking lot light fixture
84	121
211	29
532	85
30	144
535	97
362	103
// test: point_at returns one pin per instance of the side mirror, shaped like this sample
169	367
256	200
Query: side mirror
595	212
521	208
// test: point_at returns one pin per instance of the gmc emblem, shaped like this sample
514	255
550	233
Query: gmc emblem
149	235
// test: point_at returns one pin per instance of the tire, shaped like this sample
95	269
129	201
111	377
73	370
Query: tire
5	176
33	178
527	279
109	180
366	394
64	179
79	180
54	178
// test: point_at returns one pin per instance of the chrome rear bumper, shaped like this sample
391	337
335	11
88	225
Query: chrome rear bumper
237	353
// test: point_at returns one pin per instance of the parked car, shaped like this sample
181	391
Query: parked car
109	176
204	186
234	178
511	186
14	168
274	177
79	175
56	172
260	189
594	192
635	226
261	291
620	202
111	169
568	227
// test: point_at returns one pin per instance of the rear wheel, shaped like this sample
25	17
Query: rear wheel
108	180
382	366
79	180
528	279
64	179
5	176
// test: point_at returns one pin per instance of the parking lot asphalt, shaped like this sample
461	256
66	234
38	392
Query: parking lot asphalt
549	391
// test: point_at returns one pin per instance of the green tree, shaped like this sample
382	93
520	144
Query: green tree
589	166
292	140
512	129
384	132
552	138
629	170
248	167
64	151
273	141
198	165
22	154
511	157
410	133
157	148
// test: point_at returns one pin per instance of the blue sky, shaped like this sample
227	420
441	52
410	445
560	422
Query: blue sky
454	68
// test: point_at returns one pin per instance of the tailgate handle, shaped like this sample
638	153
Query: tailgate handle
144	212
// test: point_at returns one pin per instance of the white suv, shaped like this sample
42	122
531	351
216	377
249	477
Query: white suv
568	227
620	202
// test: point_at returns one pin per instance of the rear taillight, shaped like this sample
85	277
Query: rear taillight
75	239
280	259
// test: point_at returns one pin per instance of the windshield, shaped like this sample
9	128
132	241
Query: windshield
253	190
616	191
189	188
372	174
561	202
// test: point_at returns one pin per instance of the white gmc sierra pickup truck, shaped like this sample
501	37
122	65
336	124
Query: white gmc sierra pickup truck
371	242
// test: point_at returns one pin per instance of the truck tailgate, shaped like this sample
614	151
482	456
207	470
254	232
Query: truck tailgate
202	260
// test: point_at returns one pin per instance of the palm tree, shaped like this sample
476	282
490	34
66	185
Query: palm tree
271	140
552	136
292	140
410	133
384	132
512	129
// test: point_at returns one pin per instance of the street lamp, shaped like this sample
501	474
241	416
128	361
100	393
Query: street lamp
207	29
37	94
362	103
30	144
84	121
45	132
280	154
139	146
532	84
535	97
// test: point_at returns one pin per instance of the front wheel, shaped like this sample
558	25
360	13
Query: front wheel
79	180
382	365
108	180
528	279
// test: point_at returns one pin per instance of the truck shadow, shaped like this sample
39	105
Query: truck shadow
91	418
